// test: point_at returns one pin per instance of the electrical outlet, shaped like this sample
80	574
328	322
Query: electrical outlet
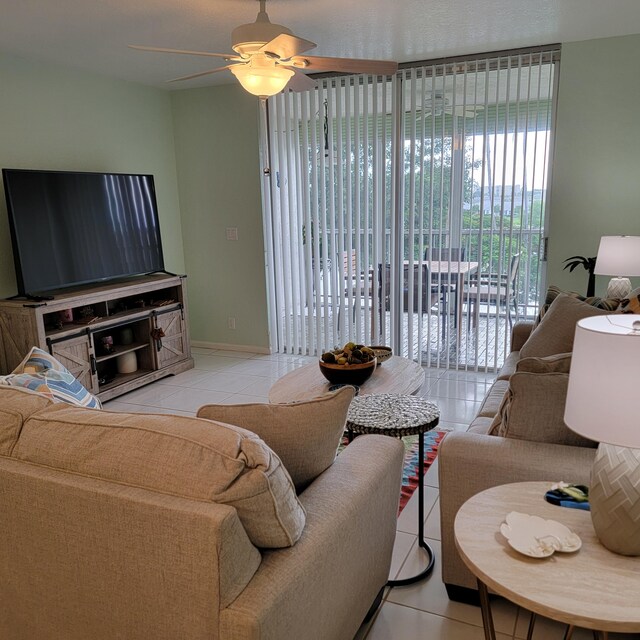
232	323
232	233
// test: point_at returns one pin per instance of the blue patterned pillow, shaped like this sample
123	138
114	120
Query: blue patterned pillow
42	373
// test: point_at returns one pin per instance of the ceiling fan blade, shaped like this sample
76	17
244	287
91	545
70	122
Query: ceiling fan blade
300	82
202	73
345	65
285	46
226	56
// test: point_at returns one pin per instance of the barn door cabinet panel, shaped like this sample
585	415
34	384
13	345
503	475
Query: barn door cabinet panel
77	355
114	338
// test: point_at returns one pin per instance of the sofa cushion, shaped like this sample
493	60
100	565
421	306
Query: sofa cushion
16	405
509	365
556	330
305	435
492	401
42	373
177	455
481	425
533	406
631	304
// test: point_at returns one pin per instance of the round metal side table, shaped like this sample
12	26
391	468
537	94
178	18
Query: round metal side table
397	416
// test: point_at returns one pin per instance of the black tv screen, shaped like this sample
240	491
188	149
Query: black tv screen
75	228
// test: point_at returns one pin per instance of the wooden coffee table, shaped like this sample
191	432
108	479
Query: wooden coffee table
591	588
397	375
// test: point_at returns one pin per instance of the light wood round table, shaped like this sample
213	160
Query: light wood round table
397	375
591	588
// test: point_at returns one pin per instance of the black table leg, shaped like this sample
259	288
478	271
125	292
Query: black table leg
485	606
421	541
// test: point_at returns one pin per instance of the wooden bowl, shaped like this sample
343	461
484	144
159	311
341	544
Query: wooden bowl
382	353
348	373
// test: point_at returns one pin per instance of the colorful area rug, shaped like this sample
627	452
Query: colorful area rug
432	440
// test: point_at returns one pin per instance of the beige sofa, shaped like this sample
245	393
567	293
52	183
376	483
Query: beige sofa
109	530
472	461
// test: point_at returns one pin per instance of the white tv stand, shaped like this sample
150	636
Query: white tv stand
131	310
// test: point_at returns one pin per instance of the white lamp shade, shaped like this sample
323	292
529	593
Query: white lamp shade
618	256
603	382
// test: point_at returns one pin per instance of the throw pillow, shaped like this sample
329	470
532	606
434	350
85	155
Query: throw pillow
42	373
631	304
533	406
304	435
181	456
557	363
610	304
556	330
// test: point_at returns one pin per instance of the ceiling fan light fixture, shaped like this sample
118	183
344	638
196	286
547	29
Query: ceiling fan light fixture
262	81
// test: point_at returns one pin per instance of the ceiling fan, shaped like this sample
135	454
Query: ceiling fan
439	102
268	58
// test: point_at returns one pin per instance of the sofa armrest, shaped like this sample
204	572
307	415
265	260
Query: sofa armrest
519	333
323	586
470	463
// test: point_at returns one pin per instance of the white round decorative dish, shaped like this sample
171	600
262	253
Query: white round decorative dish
536	537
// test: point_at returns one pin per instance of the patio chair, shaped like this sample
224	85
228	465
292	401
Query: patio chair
447	285
355	283
444	254
498	289
426	294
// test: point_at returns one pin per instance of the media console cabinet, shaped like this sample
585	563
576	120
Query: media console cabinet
93	330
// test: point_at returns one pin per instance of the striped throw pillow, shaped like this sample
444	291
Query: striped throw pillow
42	373
608	304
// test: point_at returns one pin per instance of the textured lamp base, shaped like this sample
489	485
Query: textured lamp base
615	498
619	288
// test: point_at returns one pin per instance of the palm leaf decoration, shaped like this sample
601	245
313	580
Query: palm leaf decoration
589	265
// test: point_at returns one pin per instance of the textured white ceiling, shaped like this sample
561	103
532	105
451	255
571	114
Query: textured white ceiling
93	34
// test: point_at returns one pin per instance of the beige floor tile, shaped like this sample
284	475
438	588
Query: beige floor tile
432	524
401	548
459	389
395	622
408	520
192	399
454	410
431	596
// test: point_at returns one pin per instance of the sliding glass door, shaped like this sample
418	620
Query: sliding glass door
410	210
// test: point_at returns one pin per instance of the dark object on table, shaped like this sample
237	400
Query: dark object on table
575	496
589	265
335	387
382	353
348	374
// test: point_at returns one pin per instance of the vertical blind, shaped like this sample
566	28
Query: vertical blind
379	191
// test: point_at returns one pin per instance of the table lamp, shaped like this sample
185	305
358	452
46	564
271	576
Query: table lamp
618	256
601	397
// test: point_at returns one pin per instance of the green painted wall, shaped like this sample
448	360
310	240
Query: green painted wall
216	140
57	118
596	174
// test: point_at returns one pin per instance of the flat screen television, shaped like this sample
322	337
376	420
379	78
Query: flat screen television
71	228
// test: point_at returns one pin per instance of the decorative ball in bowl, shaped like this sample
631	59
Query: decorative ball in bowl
348	373
382	353
353	364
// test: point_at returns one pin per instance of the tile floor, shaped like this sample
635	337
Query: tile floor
417	611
